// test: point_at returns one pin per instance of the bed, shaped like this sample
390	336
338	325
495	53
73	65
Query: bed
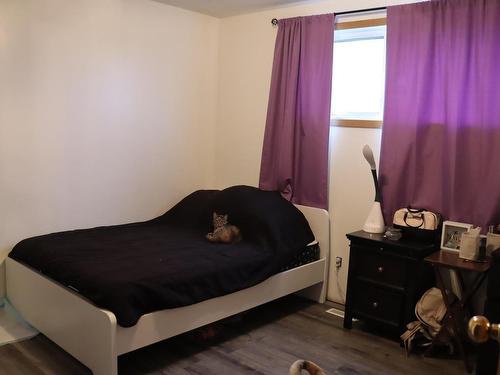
102	292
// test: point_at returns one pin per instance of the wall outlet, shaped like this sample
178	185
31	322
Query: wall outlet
338	262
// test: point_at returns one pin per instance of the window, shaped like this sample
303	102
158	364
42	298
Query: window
358	74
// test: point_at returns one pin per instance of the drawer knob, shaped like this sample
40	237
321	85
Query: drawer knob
375	305
380	269
381	248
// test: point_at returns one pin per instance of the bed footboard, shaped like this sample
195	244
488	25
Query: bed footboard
84	331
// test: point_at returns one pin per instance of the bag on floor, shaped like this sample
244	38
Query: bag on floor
430	311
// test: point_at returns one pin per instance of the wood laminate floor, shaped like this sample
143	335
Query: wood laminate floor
265	340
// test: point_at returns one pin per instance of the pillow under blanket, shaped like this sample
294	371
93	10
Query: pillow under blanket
264	217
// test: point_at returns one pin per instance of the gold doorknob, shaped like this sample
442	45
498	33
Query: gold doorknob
480	329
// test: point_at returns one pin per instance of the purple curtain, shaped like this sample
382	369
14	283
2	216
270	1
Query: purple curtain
295	152
441	132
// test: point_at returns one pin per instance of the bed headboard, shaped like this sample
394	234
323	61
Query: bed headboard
319	221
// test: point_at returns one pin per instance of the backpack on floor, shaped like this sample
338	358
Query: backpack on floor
430	311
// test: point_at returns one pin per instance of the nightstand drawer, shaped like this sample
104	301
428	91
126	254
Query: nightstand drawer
384	270
377	303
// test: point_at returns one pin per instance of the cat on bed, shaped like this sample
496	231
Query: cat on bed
223	231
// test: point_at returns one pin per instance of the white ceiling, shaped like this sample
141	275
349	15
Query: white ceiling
227	8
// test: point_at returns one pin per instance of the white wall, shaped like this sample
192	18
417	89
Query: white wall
246	54
107	112
351	196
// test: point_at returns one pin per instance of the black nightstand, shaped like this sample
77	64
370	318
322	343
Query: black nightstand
386	279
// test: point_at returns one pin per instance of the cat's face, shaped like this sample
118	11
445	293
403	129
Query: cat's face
219	220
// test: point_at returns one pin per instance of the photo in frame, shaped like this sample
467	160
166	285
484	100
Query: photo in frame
452	234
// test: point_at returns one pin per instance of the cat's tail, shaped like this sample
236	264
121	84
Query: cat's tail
236	234
311	367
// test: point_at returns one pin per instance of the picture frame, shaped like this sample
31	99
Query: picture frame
452	233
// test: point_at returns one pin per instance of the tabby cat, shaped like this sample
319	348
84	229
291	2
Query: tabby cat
223	231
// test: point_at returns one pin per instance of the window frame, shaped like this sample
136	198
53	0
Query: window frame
358	123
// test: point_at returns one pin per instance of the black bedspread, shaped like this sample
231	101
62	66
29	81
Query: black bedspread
166	262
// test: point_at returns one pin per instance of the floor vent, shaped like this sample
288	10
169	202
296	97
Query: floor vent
336	312
339	313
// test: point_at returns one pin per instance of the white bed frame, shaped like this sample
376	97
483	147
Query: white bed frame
92	335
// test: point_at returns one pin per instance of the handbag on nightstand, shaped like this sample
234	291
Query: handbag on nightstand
419	224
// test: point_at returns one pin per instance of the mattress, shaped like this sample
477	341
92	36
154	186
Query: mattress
137	268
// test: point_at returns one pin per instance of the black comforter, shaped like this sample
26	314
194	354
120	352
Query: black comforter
166	262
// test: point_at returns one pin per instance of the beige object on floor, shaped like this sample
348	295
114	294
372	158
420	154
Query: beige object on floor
12	327
311	368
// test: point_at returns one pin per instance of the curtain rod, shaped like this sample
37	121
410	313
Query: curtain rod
275	21
360	11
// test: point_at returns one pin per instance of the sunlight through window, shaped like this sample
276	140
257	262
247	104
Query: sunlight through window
359	73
